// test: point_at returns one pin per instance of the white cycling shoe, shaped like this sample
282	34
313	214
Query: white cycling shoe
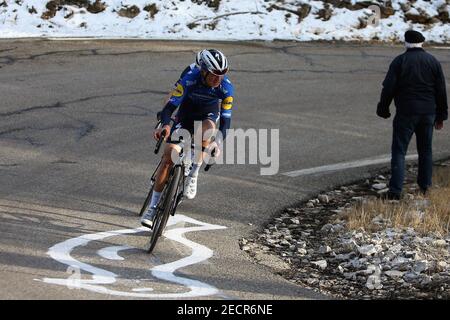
190	189
147	218
187	168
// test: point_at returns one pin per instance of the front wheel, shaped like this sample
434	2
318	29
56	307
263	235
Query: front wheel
164	209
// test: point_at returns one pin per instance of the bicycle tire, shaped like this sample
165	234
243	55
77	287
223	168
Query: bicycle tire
168	200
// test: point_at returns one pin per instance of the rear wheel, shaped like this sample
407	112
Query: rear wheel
164	209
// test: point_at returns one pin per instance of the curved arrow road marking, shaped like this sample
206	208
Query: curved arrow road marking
112	253
61	253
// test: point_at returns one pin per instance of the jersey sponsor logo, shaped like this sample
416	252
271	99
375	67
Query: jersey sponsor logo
227	103
178	91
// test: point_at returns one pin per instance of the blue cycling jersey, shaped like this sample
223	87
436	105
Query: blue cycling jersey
190	67
194	97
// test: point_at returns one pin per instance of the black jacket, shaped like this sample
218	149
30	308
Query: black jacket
417	84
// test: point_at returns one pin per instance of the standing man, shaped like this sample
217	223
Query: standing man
417	84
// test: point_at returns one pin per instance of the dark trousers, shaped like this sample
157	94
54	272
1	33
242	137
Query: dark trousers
404	127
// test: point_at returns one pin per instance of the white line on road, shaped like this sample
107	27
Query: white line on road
344	165
61	253
112	253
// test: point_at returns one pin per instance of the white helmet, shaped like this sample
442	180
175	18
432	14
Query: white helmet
198	58
213	61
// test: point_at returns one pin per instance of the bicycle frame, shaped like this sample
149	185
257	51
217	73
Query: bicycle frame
181	163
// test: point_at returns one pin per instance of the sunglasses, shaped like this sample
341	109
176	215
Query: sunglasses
219	73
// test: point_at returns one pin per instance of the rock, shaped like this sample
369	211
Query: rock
344	257
444	14
310	204
349	246
369	250
439	243
302	251
31	10
152	9
350	275
425	280
324	249
327	227
442	265
394	273
129	12
410	277
337	228
421	266
379	186
325	13
356	264
322	264
96	7
421	18
295	221
374	281
301	244
245	248
323	198
382	191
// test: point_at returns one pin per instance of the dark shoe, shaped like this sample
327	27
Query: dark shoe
424	191
390	196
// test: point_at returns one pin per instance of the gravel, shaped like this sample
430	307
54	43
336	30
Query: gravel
323	254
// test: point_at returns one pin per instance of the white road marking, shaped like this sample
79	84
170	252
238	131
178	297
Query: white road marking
142	289
61	253
344	165
111	253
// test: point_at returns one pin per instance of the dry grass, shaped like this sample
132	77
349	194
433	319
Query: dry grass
424	214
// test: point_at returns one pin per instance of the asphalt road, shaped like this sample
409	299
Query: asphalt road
76	155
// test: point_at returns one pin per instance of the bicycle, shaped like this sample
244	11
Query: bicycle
173	191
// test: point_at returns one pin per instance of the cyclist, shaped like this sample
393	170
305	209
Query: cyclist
192	66
197	95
